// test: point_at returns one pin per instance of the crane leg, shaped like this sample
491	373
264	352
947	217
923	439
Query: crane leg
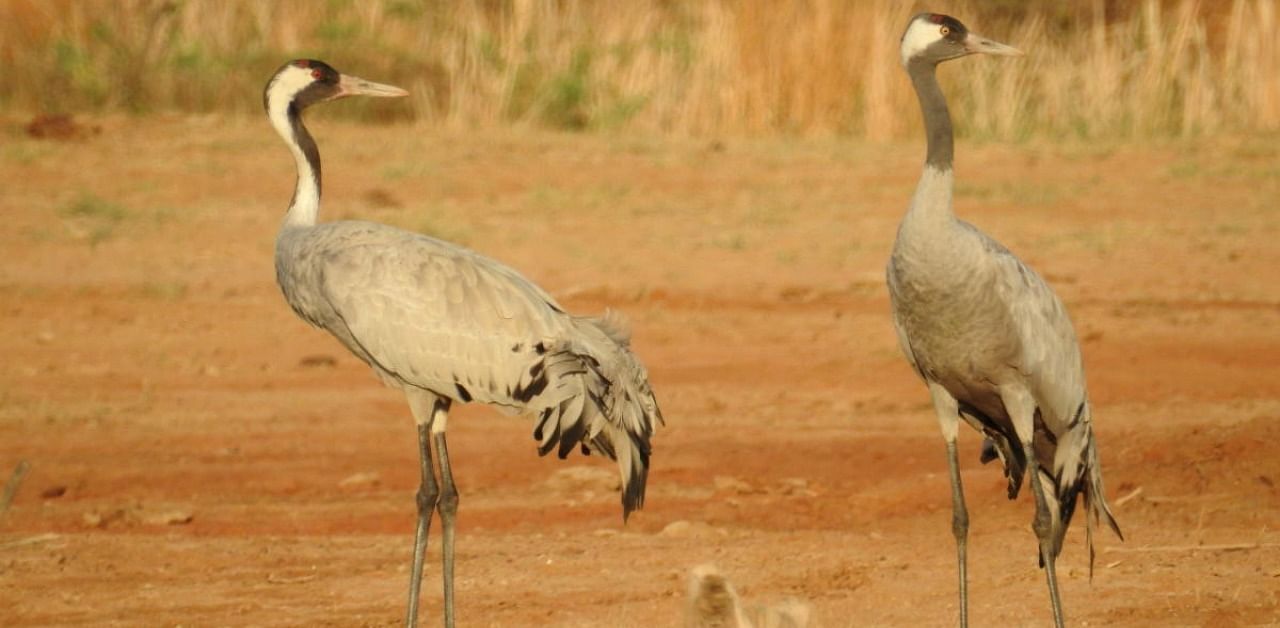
448	506
949	419
427	496
1022	408
426	408
959	529
1043	526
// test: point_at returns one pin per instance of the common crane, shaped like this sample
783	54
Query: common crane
991	340
445	324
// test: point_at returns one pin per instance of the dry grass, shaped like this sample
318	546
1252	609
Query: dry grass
1096	68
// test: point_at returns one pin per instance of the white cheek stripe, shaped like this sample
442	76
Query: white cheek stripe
293	78
920	35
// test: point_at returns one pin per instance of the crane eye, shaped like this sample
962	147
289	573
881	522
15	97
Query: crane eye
316	74
945	30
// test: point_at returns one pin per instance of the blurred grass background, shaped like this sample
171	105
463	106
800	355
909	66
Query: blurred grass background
1095	68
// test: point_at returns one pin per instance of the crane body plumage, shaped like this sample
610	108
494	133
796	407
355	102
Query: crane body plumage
987	334
446	324
974	320
430	315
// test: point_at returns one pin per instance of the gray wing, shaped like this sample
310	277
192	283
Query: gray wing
904	339
1050	359
436	315
1049	354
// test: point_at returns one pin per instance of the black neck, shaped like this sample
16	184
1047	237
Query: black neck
937	119
306	143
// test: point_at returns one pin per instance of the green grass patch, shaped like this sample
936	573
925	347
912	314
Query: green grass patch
93	218
164	290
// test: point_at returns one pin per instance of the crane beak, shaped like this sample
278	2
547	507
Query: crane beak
977	44
355	86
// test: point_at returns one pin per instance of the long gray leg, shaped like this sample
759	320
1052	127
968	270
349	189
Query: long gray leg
1043	526
960	530
425	407
448	515
1022	408
949	420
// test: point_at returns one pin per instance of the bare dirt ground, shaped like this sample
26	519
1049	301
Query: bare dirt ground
201	457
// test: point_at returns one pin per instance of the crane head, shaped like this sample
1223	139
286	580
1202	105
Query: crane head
934	38
305	82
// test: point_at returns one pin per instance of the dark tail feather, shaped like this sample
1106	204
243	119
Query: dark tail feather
996	444
1089	487
1015	462
1096	502
633	492
605	404
988	451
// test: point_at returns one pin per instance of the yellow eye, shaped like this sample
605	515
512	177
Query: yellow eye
945	30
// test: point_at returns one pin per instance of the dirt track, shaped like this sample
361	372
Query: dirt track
201	457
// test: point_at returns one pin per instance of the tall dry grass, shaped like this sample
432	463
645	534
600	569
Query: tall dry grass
1095	68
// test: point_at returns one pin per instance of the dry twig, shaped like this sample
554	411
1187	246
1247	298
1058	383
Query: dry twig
1127	496
1218	547
30	540
11	487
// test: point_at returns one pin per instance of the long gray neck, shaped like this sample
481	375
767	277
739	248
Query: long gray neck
937	119
931	206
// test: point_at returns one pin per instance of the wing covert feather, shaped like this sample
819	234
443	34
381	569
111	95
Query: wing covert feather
1050	354
435	315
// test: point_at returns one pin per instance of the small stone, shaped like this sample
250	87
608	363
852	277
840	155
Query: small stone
318	359
53	492
364	478
797	487
168	518
730	484
584	479
97	519
682	529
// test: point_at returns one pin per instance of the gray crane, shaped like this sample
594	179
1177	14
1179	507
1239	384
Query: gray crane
989	337
445	324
